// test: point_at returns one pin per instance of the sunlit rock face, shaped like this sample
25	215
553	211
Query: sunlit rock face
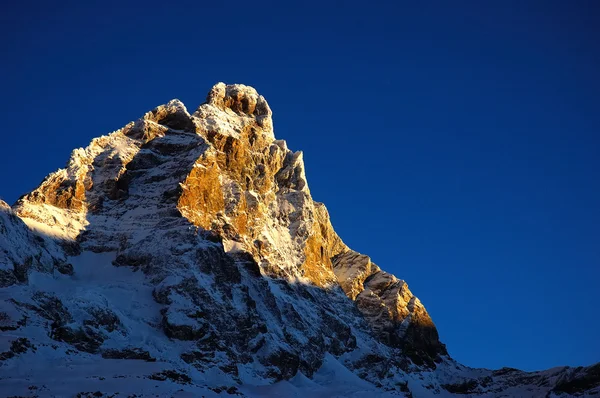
396	316
191	242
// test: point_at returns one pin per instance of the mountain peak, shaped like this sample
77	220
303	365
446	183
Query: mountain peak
242	277
242	100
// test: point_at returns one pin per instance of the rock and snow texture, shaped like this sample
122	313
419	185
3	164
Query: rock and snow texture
395	315
183	255
22	251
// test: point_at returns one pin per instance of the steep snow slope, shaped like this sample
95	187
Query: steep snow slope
183	254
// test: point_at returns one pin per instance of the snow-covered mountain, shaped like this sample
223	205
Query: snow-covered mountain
183	255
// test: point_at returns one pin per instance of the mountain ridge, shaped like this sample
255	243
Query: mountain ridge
243	274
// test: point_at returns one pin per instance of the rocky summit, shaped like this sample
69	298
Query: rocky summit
183	255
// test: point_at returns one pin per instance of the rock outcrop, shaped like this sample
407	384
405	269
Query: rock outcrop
191	243
396	316
22	251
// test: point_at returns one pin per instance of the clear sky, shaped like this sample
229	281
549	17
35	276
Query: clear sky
457	143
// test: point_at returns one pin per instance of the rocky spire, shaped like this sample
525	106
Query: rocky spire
243	273
220	170
223	171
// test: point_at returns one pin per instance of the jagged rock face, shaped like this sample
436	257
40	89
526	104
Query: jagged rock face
243	278
250	189
396	316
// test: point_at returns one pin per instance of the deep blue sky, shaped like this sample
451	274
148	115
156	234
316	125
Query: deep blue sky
458	143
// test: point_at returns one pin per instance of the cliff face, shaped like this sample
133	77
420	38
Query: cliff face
191	241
